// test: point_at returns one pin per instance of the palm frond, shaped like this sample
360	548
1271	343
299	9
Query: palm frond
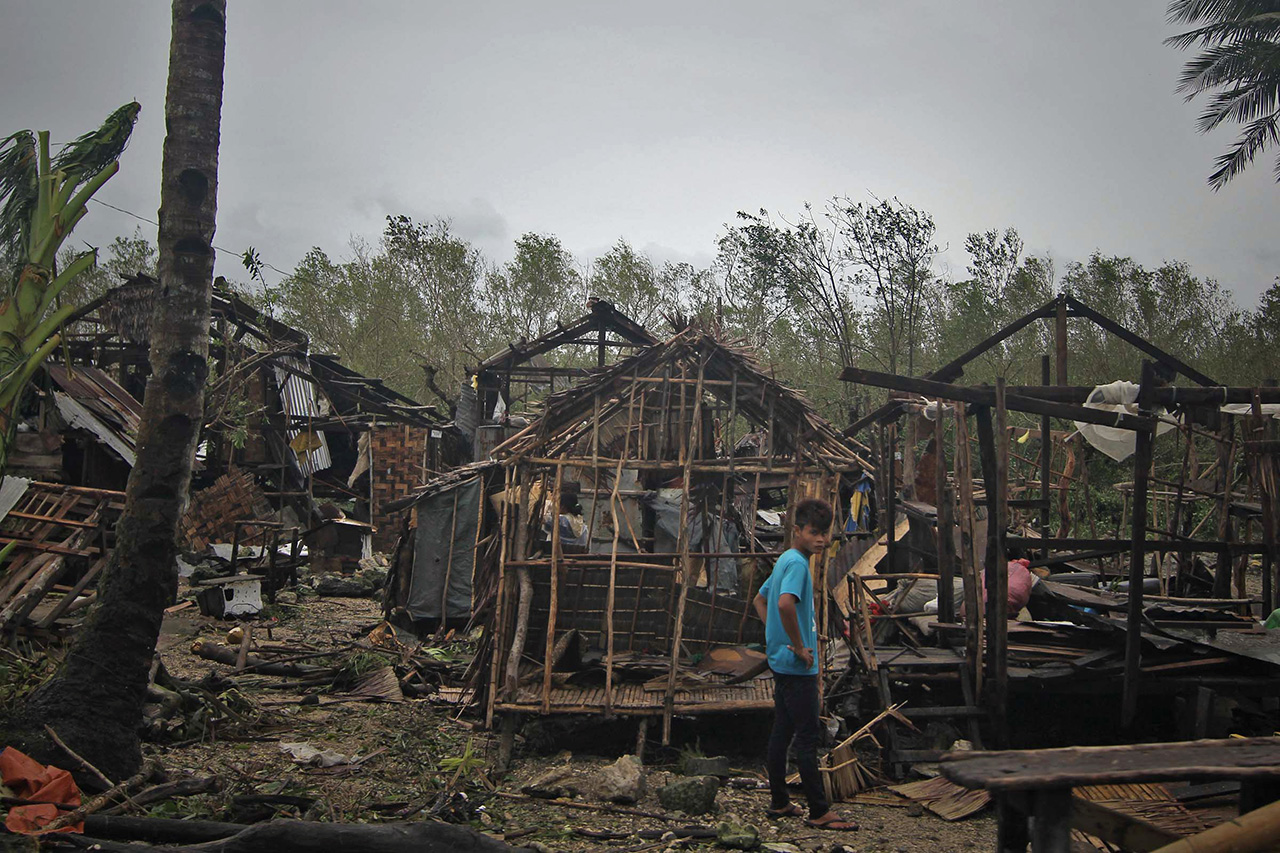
18	186
1216	66
1257	136
1241	105
1258	27
90	154
1191	11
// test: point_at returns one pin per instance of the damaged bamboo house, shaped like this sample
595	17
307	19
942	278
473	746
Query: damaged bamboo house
624	533
298	427
291	438
1154	619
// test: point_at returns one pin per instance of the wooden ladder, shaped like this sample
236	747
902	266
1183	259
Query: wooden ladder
897	758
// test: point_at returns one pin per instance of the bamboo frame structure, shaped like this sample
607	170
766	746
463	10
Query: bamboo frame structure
661	418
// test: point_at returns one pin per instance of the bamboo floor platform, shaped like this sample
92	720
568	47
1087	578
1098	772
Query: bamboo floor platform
634	700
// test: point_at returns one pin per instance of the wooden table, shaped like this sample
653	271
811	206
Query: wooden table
1037	783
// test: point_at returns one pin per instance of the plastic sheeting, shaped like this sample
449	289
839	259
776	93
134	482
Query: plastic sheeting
1120	397
440	558
721	537
1272	409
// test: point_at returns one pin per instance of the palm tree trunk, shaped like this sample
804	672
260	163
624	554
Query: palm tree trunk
95	700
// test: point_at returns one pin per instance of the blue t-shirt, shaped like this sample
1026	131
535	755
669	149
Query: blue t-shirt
790	575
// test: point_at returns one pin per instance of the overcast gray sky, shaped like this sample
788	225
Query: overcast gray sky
657	121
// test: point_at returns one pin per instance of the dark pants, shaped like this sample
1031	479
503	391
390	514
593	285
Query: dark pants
795	715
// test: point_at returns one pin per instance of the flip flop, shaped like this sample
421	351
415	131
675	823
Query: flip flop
792	810
838	824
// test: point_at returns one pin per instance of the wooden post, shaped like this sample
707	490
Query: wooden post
1176	526
1137	557
890	494
1262	468
1046	450
968	566
997	574
1226	455
1051	824
909	459
1060	339
946	540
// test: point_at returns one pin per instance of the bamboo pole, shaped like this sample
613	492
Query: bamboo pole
523	513
500	601
1253	831
615	506
687	451
555	589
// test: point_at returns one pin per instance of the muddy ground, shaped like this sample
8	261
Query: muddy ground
408	773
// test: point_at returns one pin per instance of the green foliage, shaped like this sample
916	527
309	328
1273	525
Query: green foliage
636	286
123	258
689	753
462	766
42	198
524	298
391	307
20	676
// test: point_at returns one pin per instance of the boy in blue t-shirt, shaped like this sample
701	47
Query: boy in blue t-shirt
785	606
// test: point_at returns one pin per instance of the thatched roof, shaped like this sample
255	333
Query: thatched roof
730	374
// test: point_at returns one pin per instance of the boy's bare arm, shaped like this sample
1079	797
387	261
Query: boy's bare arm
762	607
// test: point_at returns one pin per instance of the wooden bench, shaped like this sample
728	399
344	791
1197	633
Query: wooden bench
1037	783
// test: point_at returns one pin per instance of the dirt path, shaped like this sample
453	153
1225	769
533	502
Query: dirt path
409	773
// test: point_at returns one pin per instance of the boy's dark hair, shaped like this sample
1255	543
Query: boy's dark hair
813	512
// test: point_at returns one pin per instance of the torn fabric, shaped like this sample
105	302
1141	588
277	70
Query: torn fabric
1122	398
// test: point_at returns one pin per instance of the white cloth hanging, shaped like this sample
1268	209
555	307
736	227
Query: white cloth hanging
1122	398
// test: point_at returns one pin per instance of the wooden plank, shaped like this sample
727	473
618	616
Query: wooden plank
1027	769
983	396
69	598
1114	826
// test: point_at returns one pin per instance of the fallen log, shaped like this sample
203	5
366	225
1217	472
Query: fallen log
225	654
582	806
159	830
302	836
167	791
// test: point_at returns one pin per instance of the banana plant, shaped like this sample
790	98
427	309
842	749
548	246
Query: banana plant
44	197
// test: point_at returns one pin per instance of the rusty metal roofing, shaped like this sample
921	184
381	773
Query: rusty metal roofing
90	399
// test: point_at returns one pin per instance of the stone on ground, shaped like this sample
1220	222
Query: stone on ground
622	781
692	796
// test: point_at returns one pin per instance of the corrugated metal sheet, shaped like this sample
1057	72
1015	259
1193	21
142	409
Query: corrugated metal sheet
298	400
91	400
11	491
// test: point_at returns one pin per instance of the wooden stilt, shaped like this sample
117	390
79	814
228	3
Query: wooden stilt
1137	559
